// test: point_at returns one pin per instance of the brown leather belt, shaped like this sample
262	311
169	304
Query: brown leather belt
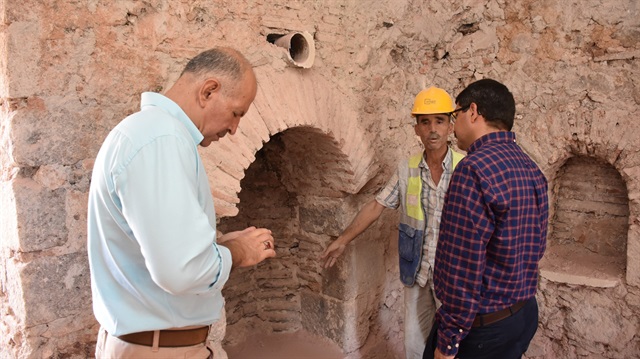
490	318
169	338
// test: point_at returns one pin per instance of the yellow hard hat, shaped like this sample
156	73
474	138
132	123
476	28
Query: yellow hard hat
431	101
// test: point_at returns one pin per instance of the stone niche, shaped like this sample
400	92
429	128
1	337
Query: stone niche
587	242
301	171
286	190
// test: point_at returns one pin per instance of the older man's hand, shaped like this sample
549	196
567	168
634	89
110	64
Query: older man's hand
249	246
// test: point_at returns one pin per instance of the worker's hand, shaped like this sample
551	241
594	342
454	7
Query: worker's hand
231	235
250	246
333	251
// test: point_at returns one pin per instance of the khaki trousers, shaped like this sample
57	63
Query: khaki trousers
110	347
420	305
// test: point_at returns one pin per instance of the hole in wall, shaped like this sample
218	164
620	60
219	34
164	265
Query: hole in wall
467	29
273	37
300	47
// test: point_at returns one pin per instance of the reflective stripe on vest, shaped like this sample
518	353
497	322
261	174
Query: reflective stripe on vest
414	185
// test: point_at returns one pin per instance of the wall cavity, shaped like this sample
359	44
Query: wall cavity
588	235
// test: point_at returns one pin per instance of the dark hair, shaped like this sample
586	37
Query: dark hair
220	61
495	102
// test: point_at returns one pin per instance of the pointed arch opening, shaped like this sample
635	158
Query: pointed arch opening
295	188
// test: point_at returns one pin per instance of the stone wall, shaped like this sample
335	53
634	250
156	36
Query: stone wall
69	71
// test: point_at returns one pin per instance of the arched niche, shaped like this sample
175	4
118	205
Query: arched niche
298	158
589	224
292	188
288	99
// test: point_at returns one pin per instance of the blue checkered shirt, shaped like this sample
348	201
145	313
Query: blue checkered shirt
492	235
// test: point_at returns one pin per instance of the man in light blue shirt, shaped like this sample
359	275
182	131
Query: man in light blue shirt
157	268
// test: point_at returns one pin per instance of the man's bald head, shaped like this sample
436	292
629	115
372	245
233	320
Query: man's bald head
221	62
215	90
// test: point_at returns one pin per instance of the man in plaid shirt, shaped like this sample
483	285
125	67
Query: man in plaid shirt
492	235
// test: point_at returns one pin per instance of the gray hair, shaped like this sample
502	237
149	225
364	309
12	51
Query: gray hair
221	61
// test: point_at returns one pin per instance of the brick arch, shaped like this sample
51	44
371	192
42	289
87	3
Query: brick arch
292	99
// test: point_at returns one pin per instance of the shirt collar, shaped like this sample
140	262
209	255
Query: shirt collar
447	162
172	108
498	137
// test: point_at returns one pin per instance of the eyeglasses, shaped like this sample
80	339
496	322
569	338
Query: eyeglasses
454	115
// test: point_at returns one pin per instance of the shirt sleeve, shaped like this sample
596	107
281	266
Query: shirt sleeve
465	230
158	188
389	195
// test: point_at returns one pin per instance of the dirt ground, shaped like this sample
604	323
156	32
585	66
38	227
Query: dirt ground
298	345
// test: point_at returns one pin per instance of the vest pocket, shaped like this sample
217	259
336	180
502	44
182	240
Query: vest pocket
406	242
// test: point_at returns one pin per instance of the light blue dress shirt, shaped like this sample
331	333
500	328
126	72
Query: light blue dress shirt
152	245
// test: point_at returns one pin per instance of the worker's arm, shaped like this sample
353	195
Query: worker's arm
367	215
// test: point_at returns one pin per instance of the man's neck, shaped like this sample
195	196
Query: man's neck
487	129
435	157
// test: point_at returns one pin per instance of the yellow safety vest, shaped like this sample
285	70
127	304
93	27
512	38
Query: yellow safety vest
412	222
414	185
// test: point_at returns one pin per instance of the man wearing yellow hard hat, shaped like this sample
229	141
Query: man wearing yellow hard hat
417	189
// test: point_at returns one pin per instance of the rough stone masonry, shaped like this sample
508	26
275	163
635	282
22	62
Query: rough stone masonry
71	70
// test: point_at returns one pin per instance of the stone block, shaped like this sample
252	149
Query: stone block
56	287
613	330
22	67
633	253
76	220
361	268
288	302
280	316
344	322
324	215
43	136
41	215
